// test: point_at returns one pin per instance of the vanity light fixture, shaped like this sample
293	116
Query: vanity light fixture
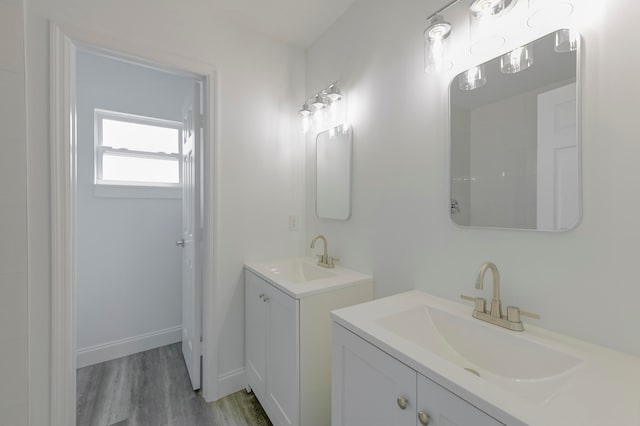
566	41
311	109
473	78
436	45
519	59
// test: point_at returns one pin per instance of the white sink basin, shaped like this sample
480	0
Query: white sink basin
512	360
301	276
299	271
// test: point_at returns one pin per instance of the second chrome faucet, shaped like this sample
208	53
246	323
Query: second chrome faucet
324	260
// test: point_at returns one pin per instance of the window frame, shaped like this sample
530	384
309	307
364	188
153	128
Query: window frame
100	149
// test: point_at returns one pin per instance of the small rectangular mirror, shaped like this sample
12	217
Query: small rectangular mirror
515	148
333	173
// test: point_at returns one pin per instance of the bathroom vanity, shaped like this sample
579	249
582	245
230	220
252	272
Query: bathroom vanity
288	335
416	359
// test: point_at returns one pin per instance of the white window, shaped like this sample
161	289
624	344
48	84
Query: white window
136	150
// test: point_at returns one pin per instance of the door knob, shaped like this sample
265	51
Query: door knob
424	418
180	243
402	402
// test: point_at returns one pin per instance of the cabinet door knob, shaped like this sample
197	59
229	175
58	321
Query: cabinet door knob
424	418
402	402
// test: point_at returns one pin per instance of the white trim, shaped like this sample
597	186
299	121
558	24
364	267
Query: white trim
63	183
135	191
231	382
127	346
63	43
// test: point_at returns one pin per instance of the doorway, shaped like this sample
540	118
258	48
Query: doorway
114	174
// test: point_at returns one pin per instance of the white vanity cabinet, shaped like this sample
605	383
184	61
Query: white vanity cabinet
288	346
371	388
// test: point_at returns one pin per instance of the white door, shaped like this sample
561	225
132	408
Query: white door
191	237
369	387
558	173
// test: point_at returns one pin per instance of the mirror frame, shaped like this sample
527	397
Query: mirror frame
579	97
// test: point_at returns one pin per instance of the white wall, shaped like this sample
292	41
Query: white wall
129	270
13	218
261	161
583	282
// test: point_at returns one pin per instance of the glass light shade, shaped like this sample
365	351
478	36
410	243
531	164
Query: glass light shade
305	111
436	46
318	103
548	13
486	8
334	94
566	41
473	78
517	60
485	29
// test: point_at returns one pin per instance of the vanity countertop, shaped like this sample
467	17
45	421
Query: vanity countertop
603	388
301	277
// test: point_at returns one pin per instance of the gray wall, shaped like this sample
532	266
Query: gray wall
13	218
129	268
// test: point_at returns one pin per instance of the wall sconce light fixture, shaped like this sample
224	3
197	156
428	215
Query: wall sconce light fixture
321	100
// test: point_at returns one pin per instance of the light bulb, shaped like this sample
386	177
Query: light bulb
305	111
333	93
318	103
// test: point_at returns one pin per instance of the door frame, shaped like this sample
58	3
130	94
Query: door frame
64	42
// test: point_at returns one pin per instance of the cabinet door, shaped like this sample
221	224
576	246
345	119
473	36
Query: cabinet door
444	408
255	333
369	387
283	366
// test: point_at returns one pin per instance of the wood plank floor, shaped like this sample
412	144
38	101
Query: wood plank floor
152	388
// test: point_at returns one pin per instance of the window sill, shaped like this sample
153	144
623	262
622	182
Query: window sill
136	191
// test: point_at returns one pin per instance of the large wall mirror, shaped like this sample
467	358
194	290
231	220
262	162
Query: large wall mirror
515	147
333	173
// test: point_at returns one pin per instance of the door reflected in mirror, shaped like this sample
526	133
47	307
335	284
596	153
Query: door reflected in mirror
333	173
515	148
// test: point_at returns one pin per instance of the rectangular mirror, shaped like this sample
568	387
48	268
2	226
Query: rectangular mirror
333	173
515	148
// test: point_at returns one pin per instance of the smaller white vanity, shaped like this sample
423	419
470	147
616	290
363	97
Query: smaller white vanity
288	334
416	359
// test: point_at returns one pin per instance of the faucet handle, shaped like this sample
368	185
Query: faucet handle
480	303
514	313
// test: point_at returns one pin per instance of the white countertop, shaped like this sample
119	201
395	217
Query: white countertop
271	271
603	390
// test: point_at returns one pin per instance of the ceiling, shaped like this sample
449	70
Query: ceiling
296	22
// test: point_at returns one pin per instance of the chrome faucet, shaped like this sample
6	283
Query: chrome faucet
324	260
512	320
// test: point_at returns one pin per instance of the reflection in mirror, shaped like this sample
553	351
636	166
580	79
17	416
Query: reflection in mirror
514	139
333	173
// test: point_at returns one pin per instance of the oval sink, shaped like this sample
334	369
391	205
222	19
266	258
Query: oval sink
512	360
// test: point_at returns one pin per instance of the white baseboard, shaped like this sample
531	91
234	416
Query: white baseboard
231	382
128	346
